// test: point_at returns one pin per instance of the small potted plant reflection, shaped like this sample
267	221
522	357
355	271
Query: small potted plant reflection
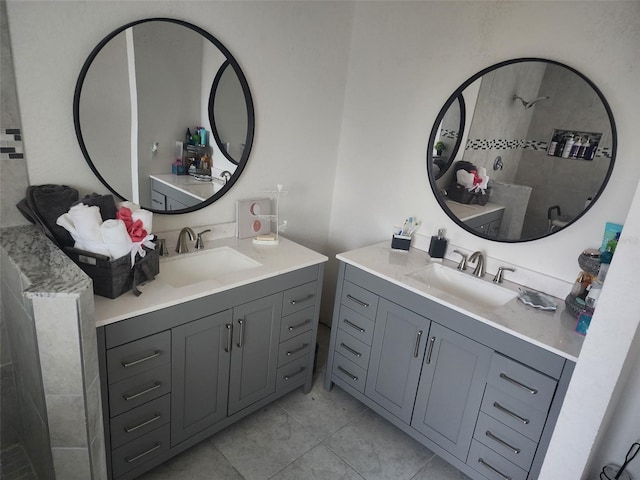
439	147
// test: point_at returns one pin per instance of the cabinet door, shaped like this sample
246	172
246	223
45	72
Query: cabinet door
397	350
254	355
199	374
450	391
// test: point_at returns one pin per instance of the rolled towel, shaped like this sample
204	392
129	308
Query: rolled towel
130	205
86	220
145	216
116	238
105	203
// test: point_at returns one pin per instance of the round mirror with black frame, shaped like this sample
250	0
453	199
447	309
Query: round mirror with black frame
544	137
448	137
139	91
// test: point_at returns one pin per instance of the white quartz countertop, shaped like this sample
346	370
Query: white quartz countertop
466	212
551	330
275	260
188	184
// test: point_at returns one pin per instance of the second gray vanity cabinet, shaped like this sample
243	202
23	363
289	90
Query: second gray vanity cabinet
397	351
200	374
450	389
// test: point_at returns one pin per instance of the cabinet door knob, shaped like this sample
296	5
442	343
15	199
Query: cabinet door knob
432	341
241	333
416	350
229	328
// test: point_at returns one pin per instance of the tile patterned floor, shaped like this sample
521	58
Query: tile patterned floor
319	436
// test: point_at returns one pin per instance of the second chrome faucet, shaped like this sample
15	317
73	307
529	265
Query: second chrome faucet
479	269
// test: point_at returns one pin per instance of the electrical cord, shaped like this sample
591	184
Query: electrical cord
613	472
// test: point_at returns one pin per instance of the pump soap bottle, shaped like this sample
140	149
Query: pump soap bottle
438	245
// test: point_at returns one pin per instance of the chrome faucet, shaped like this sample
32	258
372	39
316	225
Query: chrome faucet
463	261
199	241
500	274
181	247
478	257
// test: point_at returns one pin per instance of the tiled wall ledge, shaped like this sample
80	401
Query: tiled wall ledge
52	299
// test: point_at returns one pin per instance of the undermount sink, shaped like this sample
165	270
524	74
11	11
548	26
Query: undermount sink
463	285
187	269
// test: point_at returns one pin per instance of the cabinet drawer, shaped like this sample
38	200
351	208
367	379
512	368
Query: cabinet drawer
140	421
299	298
293	348
521	382
296	323
353	349
513	413
360	300
135	391
355	324
135	357
493	466
292	375
140	451
507	442
349	372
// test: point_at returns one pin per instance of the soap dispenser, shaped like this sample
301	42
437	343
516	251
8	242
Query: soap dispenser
438	245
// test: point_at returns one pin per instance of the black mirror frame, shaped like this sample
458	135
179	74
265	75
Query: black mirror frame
245	89
432	180
456	147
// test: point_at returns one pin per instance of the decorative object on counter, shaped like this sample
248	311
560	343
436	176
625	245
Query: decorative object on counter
584	320
471	185
118	253
42	206
616	472
589	260
271	238
537	299
250	217
438	245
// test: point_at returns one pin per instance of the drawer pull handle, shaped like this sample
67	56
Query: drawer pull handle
156	353
156	417
304	345
143	454
359	302
515	450
350	350
241	333
350	375
416	350
132	396
227	347
504	376
354	326
301	324
432	341
493	469
510	413
289	377
304	299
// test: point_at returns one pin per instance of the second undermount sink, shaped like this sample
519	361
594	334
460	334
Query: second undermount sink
463	285
187	269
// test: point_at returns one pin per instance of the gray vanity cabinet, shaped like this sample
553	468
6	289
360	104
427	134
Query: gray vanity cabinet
199	374
173	377
396	358
480	398
450	389
254	351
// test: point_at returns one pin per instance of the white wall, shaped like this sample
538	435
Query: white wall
353	173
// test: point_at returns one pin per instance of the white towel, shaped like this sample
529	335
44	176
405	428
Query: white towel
130	205
86	221
146	216
115	238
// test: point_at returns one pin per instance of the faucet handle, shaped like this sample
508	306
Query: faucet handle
162	247
463	261
499	274
199	242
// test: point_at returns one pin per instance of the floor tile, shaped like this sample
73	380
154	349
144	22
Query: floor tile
322	413
438	469
264	443
201	462
378	450
320	463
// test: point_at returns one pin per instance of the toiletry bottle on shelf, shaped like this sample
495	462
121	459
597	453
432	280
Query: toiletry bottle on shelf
553	145
568	145
583	148
591	153
438	245
560	146
575	148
